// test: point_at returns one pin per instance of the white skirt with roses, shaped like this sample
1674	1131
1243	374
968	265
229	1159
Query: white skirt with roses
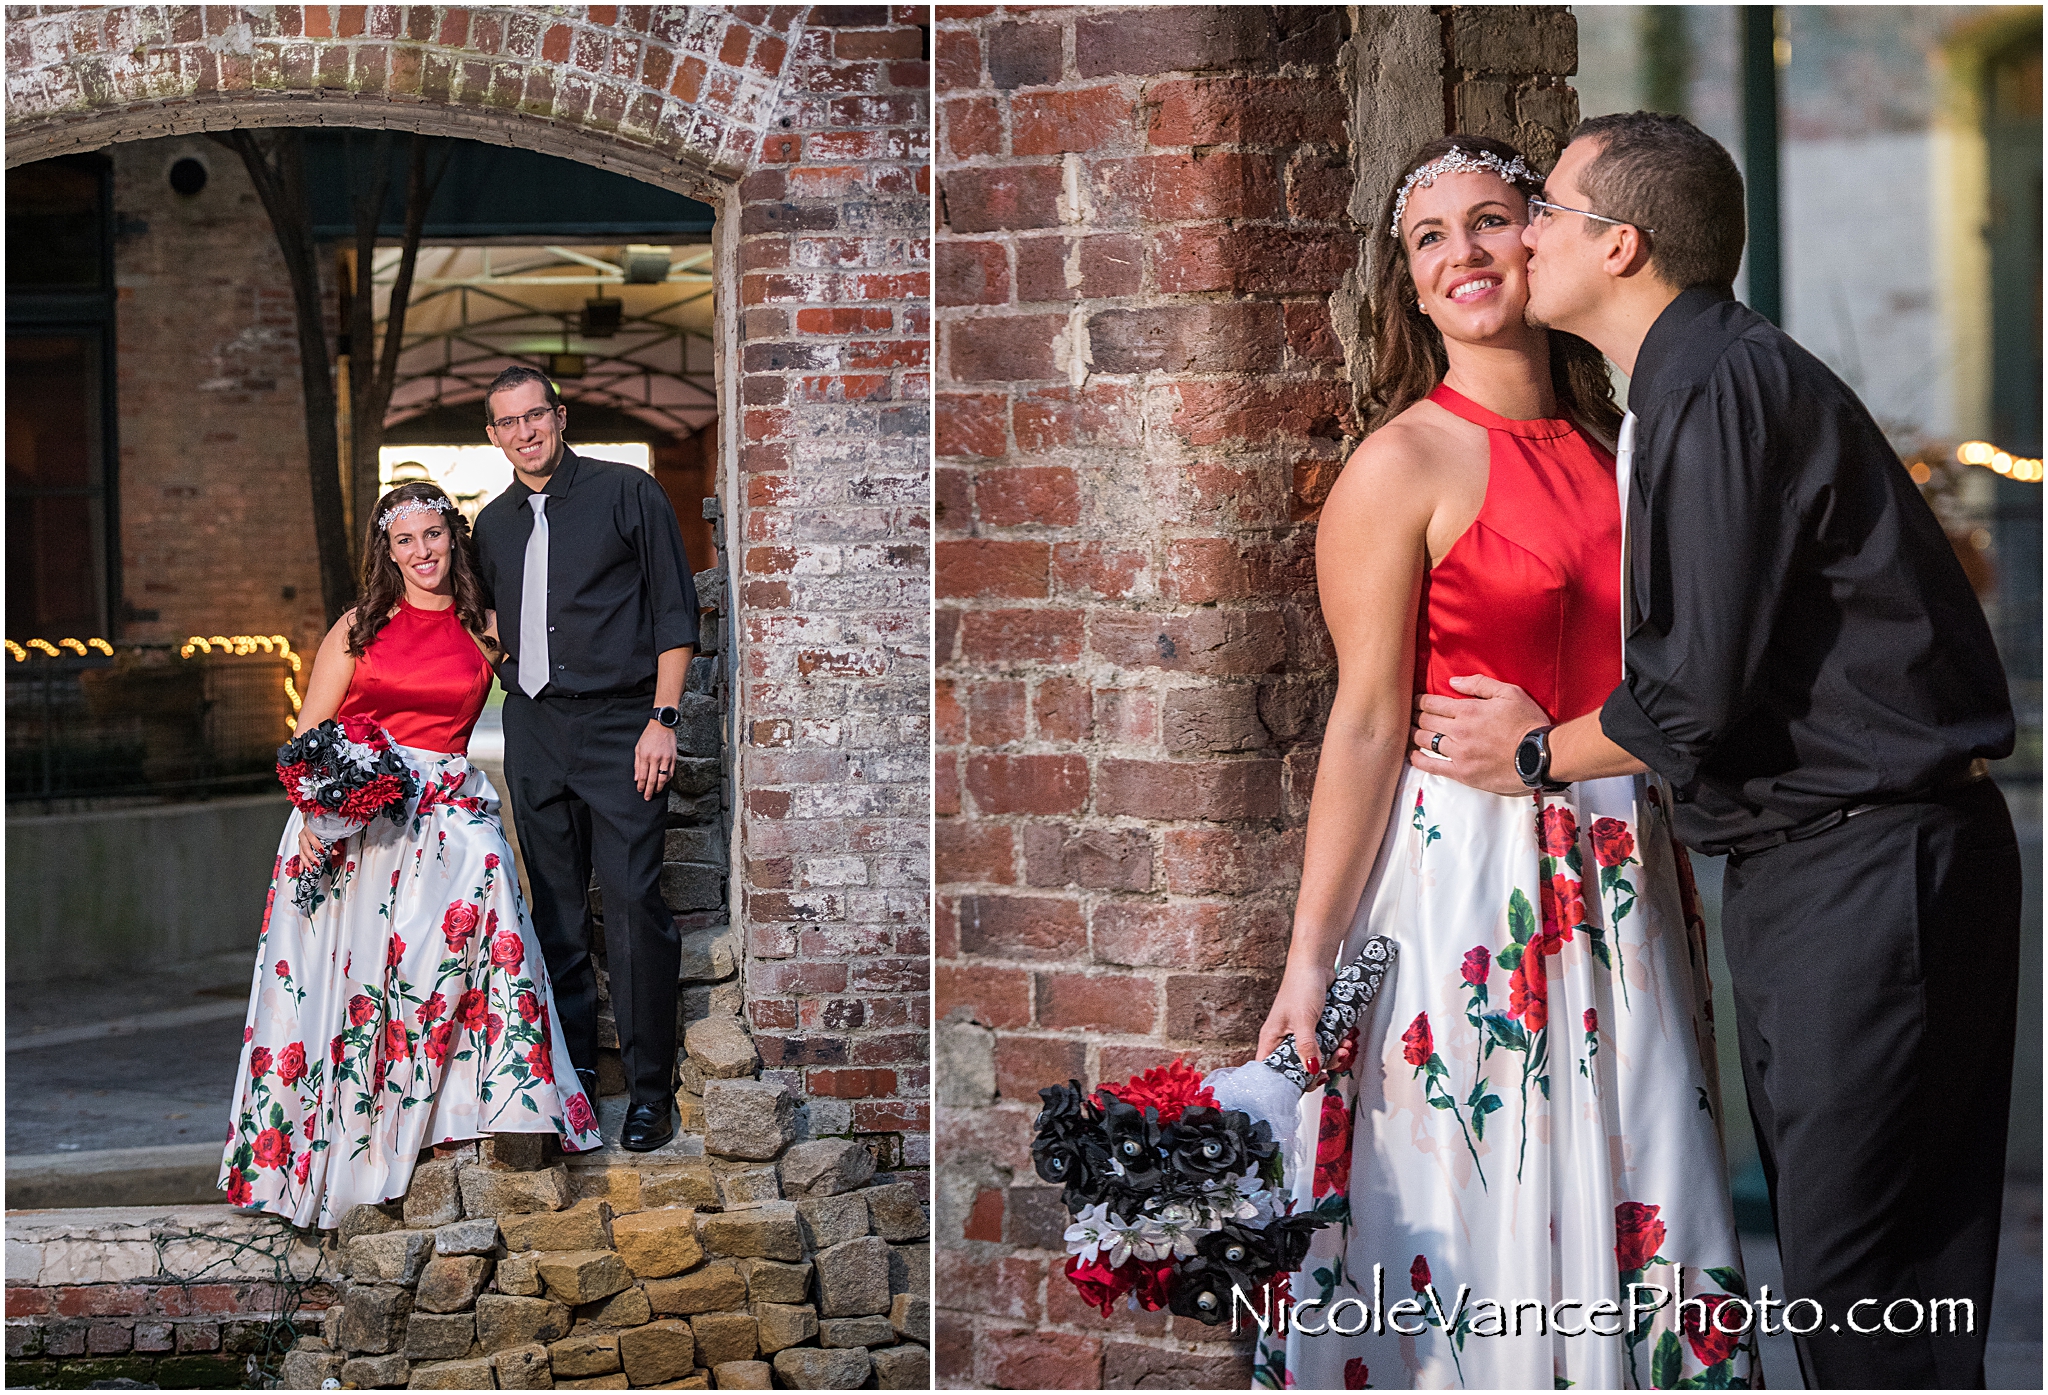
1532	1116
411	1008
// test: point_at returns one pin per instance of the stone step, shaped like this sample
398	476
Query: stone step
178	1174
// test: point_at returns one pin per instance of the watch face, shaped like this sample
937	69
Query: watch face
1529	758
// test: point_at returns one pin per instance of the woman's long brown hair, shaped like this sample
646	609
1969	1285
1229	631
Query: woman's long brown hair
1408	357
383	584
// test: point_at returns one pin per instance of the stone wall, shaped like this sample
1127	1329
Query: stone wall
1149	298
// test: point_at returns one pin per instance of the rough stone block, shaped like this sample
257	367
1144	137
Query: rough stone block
450	1284
660	1351
826	1167
767	1231
304	1370
903	1368
516	1152
910	1270
439	1336
523	1368
584	1226
911	1316
368	1220
853	1278
898	1212
744	1375
780	1325
656	1244
808	1368
503	1321
582	1276
474	1374
856	1332
591	1354
373	1318
394	1257
711	953
376	1372
433	1197
721	1049
478	1237
748	1118
517	1275
833	1220
625	1309
770	1281
686	1183
723	1337
714	1288
618	1187
486	1192
616	1381
746	1185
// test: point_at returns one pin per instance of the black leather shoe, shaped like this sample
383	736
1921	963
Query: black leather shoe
648	1126
588	1080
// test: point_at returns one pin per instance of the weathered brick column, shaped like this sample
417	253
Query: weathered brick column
1149	298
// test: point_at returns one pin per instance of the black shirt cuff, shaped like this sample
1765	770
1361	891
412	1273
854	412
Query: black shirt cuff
1625	723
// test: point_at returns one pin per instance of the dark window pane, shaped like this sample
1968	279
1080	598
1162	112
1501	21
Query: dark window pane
56	226
56	556
52	567
52	411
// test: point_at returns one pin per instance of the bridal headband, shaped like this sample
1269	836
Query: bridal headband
1457	161
406	506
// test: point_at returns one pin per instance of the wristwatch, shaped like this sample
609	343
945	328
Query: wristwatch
1532	763
670	717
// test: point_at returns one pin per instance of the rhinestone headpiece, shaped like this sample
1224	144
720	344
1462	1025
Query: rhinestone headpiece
1456	161
406	506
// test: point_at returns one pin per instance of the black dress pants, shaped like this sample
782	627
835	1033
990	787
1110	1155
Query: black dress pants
569	762
1875	971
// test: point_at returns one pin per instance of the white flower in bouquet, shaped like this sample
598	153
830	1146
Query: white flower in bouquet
1126	1238
1171	1229
1090	1233
1240	1199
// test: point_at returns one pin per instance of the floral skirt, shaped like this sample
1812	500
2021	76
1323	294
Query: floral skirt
1531	1124
411	1008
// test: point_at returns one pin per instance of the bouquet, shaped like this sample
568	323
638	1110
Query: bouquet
1180	1187
341	775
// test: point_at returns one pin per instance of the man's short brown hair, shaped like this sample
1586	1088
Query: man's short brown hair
511	378
1663	172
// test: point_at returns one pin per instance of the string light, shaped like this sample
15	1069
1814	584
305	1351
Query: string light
240	645
2016	467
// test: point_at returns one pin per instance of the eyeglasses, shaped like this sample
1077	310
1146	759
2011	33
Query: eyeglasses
1550	208
532	418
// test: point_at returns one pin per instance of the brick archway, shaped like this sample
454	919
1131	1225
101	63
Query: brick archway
807	128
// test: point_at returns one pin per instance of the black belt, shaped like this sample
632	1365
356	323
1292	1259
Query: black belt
1979	769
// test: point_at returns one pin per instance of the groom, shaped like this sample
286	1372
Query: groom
584	563
1808	669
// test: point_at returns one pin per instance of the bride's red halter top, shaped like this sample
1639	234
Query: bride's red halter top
1530	594
422	679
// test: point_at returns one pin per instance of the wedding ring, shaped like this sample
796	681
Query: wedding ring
1436	744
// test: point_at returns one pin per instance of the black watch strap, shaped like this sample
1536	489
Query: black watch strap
1532	762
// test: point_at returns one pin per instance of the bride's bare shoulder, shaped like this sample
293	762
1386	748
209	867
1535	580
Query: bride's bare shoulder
1397	468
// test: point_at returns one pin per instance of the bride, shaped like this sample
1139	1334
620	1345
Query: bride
412	1007
1530	1113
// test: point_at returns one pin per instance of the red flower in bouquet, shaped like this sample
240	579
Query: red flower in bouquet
1333	1149
239	1191
305	1167
541	1062
1557	829
1417	1045
360	1010
1709	1343
1418	1274
1356	1374
273	1149
458	925
471	1007
437	1040
508	951
393	952
1638	1234
1099	1285
431	1009
1168	1089
397	1046
1613	844
528	1005
291	1064
576	1111
1153	1282
370	799
259	1062
1478	964
1529	993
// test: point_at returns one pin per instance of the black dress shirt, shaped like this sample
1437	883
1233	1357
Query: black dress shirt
619	588
1801	637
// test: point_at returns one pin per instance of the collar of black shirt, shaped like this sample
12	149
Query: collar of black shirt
560	482
1669	331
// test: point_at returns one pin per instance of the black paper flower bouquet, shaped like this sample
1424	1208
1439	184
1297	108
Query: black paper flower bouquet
340	776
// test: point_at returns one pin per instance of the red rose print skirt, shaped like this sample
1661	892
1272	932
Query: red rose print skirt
1532	1116
411	1008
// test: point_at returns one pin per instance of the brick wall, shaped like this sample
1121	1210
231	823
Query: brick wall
1148	300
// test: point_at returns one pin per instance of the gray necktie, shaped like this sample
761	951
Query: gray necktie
533	604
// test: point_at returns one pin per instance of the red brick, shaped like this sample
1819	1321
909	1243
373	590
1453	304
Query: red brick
1184	188
973	126
972	424
1147	1367
1060	711
949	717
1228	861
1240	337
1003	348
1252	260
957	54
1239	789
1028	1360
1079	268
1190	934
1212	413
1005	1286
1126	716
1216	642
974	852
1021	636
995	713
1309	332
891	1116
1045	495
1319	187
1100	414
1218	1007
984	568
1021	927
1071	121
1244	111
1002	784
844	320
851	1084
985	1217
1027	1064
972	273
990	200
1098	1002
1099	570
992	997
